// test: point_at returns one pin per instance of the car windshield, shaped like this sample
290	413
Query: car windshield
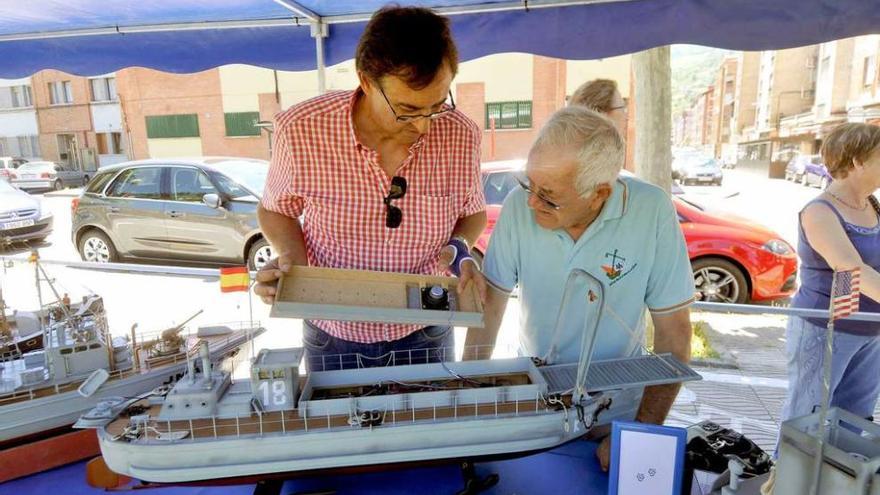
698	161
35	165
497	185
248	173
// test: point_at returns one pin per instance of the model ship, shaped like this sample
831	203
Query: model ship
22	331
282	420
81	365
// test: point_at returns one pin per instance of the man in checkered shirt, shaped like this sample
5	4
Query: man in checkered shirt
385	177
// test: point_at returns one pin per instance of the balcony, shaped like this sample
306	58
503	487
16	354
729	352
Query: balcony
794	125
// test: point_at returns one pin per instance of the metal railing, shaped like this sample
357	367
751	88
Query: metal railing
777	310
215	273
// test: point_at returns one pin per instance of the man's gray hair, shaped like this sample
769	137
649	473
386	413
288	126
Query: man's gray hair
592	138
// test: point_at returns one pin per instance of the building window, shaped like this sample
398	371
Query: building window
24	146
103	89
109	143
16	97
173	126
242	124
509	114
60	93
869	71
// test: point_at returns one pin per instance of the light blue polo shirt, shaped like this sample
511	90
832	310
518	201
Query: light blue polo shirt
634	247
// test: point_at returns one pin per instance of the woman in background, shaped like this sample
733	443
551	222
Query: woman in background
839	230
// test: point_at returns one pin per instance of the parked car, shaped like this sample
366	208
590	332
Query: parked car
8	164
21	217
698	169
816	174
34	176
733	259
809	170
200	210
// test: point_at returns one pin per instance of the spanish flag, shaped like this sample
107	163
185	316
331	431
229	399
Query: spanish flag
234	279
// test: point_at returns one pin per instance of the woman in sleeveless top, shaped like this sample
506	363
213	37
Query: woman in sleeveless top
839	230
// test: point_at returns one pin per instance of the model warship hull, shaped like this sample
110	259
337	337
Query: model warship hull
189	461
29	412
340	420
32	416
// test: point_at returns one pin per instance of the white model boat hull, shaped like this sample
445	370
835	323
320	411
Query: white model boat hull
231	457
33	416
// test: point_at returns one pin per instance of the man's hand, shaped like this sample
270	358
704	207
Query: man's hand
470	274
267	277
447	256
603	453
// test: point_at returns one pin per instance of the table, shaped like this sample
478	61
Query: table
568	469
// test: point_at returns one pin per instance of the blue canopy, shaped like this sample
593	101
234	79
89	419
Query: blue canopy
89	37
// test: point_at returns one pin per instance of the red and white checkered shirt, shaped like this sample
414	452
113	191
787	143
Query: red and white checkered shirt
321	171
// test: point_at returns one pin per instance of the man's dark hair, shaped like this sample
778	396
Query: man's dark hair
411	43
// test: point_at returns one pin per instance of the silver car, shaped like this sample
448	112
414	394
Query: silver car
8	164
199	210
21	217
33	176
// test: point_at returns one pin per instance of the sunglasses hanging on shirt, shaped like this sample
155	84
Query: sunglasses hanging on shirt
393	214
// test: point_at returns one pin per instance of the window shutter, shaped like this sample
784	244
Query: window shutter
242	124
173	126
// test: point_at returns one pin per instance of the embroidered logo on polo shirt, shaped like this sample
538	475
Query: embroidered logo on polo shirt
617	269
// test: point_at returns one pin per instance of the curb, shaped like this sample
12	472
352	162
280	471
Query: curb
714	363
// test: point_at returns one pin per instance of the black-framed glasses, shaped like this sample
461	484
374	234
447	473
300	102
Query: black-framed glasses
538	195
409	118
393	214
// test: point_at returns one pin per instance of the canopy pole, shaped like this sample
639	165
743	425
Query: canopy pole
319	32
653	121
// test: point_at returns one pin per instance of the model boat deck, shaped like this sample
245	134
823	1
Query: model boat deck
236	416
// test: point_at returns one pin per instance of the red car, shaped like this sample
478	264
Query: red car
734	260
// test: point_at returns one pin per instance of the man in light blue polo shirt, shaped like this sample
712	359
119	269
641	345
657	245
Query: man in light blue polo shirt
575	212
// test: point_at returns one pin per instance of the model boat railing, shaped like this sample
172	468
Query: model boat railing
46	389
289	421
330	362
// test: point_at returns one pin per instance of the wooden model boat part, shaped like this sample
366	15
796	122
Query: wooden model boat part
359	295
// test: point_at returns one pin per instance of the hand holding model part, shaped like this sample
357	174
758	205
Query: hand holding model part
268	276
456	257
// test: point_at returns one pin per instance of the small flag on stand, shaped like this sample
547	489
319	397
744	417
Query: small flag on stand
845	299
234	279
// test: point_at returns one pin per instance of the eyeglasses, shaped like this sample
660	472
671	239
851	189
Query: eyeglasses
393	214
538	195
409	118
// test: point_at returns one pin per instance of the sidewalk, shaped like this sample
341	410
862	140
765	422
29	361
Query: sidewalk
749	398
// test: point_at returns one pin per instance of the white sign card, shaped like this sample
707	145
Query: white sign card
646	459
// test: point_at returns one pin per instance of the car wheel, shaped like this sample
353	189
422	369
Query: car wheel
96	247
259	254
718	280
823	184
58	185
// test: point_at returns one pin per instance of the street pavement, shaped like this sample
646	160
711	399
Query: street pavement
746	396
